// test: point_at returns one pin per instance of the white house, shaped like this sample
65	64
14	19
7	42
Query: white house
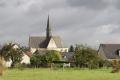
25	58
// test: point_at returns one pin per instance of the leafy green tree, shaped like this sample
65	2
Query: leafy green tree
46	59
86	56
52	56
24	48
36	60
8	52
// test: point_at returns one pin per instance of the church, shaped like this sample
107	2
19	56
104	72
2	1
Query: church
48	42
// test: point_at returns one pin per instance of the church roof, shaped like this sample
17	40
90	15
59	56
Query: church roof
42	42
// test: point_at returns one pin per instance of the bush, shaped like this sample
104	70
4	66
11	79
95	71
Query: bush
21	66
116	66
52	55
1	66
38	60
104	63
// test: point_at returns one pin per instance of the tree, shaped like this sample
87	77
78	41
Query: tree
36	60
86	56
24	48
71	49
8	52
46	59
52	56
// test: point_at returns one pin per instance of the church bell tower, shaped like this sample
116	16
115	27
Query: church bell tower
48	30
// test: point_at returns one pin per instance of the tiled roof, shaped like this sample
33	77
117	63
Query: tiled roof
42	42
68	56
111	50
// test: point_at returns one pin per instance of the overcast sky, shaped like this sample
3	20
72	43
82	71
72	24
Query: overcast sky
75	21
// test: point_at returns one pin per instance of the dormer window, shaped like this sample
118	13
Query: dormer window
118	52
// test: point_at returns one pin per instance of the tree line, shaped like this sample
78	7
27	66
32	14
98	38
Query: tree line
84	56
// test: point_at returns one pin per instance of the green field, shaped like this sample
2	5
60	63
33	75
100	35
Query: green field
67	74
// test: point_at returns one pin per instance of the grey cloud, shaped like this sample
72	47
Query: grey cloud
117	4
72	23
92	4
2	4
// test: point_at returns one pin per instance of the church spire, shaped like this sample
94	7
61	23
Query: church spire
48	30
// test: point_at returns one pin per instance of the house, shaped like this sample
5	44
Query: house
48	42
25	57
109	51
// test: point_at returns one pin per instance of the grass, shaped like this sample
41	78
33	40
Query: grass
67	74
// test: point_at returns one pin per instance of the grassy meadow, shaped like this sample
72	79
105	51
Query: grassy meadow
66	74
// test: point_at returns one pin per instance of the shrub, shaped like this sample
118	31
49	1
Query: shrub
45	60
104	63
1	66
21	66
52	56
116	66
36	60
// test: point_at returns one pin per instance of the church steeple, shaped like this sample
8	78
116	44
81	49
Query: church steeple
48	30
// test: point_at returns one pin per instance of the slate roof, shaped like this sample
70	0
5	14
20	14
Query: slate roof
40	52
42	42
68	56
111	50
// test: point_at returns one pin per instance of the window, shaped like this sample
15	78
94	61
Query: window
118	52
